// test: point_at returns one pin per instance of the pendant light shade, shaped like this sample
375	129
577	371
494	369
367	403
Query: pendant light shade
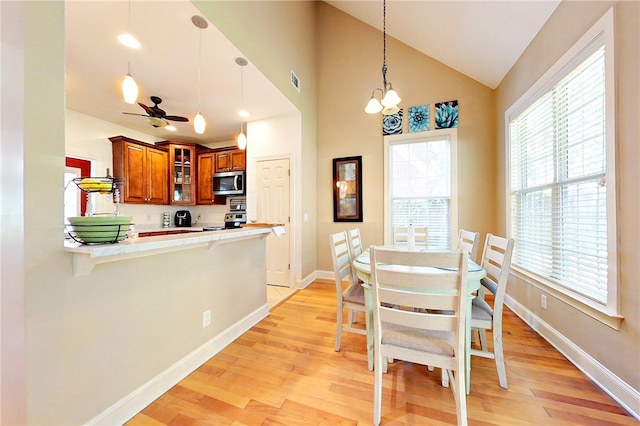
242	138
242	141
129	86
199	124
374	106
129	89
390	99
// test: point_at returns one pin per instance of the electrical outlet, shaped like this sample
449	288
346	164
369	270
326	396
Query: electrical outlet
206	318
543	301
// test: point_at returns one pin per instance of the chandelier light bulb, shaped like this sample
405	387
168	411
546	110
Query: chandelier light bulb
390	110
129	89
373	107
199	123
391	98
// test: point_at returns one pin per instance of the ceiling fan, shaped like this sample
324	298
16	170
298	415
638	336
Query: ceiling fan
156	116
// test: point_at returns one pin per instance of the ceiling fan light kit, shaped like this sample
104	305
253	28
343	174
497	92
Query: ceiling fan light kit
390	99
199	123
156	116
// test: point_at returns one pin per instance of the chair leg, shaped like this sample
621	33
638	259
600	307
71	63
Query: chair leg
353	319
483	339
444	380
499	357
458	384
338	328
380	364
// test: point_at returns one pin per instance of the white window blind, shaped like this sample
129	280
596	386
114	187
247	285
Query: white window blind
420	187
558	180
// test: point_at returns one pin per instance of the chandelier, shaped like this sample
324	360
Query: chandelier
390	99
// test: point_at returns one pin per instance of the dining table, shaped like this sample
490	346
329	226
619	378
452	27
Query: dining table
475	273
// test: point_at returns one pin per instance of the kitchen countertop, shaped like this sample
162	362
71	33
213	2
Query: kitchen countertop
85	257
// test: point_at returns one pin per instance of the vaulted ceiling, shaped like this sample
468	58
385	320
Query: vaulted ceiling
481	39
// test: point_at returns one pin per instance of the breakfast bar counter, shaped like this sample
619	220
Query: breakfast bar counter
85	257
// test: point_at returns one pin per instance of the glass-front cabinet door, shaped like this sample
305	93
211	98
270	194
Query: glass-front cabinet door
183	175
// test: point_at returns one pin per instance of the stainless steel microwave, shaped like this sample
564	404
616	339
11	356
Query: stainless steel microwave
228	183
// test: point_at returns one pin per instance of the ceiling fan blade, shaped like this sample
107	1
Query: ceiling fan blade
149	110
133	113
175	118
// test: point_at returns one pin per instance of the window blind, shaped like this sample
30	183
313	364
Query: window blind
420	188
558	170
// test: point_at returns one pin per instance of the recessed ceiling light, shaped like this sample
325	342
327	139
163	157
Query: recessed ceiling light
129	41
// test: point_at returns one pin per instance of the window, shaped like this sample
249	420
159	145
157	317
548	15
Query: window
562	174
420	184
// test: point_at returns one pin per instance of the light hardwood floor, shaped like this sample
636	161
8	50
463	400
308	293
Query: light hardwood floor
284	371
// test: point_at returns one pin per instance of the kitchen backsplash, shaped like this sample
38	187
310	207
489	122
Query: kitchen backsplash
151	215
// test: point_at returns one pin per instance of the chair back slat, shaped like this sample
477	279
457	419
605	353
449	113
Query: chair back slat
414	284
355	242
418	320
469	241
401	233
341	258
496	261
408	297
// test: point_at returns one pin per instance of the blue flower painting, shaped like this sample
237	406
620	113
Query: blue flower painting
419	119
446	114
392	124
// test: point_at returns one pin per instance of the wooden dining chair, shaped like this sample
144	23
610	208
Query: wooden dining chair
351	298
469	241
407	287
496	259
355	242
421	233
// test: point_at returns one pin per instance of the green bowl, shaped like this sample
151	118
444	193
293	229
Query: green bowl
99	229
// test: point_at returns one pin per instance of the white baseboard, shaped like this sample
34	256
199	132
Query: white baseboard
327	275
619	390
308	280
140	398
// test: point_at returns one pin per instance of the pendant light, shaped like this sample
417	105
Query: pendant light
199	123
129	86
390	99
242	138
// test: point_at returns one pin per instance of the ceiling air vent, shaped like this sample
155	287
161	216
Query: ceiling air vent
295	81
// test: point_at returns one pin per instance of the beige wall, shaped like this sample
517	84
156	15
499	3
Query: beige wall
86	345
349	59
616	350
277	37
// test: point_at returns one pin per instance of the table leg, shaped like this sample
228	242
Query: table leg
467	354
368	304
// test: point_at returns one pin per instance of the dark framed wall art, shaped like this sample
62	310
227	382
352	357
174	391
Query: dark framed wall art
347	189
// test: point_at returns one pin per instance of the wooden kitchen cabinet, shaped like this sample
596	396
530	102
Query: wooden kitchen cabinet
144	169
206	169
230	160
182	172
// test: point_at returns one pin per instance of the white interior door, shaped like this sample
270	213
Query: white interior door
273	201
